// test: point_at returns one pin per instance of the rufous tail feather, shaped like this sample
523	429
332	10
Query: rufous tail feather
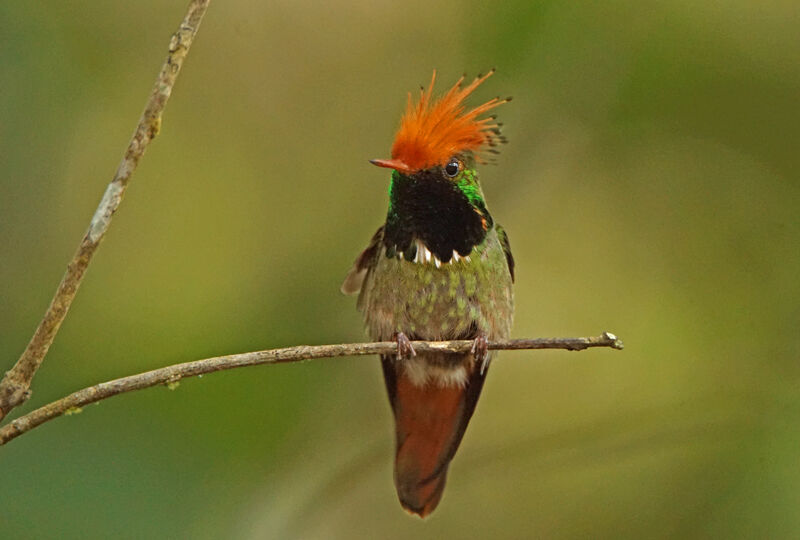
430	421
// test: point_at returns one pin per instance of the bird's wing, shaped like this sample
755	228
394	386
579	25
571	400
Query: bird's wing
501	234
355	277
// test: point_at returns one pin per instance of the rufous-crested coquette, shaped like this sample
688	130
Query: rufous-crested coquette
440	268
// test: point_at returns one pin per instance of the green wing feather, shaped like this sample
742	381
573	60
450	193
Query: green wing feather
501	234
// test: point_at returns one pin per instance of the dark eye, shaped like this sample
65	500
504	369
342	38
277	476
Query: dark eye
452	168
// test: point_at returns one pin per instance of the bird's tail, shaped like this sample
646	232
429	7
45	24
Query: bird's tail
430	420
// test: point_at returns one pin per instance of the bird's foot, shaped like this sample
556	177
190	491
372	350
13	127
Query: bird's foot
404	347
480	350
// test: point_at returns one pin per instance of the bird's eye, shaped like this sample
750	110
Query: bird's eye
452	168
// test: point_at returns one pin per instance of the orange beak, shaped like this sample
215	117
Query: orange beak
390	164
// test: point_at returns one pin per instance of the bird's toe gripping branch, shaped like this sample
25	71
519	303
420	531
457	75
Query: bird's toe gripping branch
404	347
480	350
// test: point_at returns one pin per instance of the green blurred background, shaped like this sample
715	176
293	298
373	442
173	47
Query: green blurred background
650	189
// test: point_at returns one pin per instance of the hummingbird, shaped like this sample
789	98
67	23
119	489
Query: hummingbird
439	268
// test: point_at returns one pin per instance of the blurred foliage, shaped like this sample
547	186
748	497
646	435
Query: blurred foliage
650	189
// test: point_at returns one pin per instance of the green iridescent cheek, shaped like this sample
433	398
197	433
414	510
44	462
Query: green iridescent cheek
468	185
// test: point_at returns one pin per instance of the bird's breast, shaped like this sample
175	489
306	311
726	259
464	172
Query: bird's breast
426	298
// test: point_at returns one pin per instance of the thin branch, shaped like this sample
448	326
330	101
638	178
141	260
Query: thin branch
15	386
171	375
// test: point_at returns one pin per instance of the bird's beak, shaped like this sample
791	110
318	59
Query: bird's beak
390	164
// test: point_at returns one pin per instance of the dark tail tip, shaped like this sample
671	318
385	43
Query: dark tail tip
422	498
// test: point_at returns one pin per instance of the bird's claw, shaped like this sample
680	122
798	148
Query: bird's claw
480	351
404	347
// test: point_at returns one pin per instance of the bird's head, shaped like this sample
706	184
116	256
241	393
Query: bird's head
440	136
434	194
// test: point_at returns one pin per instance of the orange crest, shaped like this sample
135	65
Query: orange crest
431	133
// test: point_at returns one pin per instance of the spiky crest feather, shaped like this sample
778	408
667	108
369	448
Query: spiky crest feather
431	132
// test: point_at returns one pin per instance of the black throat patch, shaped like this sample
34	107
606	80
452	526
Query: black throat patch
429	207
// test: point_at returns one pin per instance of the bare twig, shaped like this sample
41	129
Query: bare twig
171	375
15	386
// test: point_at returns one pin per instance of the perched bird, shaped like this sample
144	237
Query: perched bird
439	268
